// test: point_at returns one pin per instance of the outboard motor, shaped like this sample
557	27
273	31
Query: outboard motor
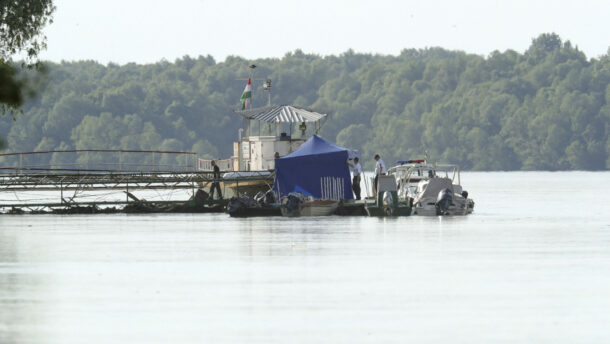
293	202
387	199
410	201
259	197
269	197
387	204
236	204
443	201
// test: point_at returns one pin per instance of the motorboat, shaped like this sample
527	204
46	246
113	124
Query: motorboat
435	189
262	204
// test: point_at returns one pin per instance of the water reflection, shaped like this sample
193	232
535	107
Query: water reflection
21	291
511	272
287	237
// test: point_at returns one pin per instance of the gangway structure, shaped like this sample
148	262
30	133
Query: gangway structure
75	183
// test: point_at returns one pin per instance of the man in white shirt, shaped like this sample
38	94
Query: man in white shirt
379	169
357	175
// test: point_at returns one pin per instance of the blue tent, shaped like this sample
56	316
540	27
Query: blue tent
318	168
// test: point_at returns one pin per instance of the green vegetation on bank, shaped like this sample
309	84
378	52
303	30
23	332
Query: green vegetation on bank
547	108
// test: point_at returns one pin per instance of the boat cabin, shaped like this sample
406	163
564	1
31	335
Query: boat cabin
410	175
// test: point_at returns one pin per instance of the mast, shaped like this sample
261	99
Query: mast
252	66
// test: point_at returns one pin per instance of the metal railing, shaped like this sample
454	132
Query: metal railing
98	160
224	165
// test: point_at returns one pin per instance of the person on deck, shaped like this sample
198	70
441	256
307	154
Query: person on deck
379	169
216	182
357	175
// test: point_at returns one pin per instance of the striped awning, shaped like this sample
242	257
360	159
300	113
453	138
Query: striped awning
282	114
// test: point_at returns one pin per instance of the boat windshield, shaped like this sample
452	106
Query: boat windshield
409	175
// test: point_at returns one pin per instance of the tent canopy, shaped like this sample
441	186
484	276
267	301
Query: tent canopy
282	114
318	167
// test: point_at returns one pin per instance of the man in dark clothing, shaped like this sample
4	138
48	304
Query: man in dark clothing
379	170
357	175
216	182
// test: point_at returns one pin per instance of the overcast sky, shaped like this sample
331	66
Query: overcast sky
123	31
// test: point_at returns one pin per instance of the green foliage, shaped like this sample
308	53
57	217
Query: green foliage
10	87
21	24
548	108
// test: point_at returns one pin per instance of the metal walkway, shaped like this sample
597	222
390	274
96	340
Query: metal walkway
26	181
103	181
64	187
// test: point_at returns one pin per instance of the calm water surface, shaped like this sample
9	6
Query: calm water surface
531	265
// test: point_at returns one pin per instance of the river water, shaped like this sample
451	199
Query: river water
530	265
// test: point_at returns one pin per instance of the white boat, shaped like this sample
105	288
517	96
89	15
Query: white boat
435	189
296	205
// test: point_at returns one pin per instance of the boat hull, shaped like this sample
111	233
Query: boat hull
430	209
313	208
387	211
256	212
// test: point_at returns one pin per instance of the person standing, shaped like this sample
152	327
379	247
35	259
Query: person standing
379	169
357	176
216	181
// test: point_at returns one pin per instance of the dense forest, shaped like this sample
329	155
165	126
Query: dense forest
545	109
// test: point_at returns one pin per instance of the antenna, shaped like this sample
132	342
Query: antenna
267	87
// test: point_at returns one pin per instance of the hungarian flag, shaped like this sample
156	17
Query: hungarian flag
246	96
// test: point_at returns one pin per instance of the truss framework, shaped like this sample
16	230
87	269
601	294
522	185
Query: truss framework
125	181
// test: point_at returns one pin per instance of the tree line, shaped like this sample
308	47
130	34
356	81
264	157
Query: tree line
547	108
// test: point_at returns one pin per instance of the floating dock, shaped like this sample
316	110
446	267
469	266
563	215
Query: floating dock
30	186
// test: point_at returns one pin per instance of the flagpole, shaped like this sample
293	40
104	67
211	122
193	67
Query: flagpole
252	66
